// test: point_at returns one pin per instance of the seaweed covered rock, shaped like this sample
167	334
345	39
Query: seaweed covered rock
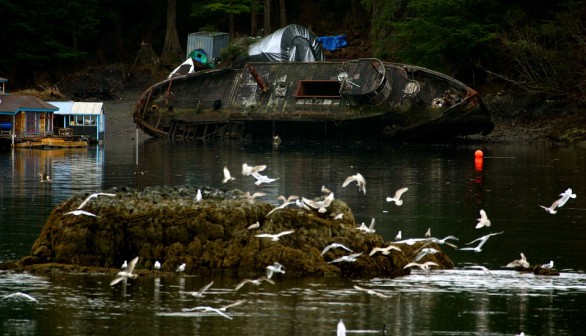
214	235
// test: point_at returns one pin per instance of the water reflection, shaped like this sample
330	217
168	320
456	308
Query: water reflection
447	188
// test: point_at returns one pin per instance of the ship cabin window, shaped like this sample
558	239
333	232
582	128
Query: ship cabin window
318	89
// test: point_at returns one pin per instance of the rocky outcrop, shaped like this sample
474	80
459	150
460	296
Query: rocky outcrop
211	236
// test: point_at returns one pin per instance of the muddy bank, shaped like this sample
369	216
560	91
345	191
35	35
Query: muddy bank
211	236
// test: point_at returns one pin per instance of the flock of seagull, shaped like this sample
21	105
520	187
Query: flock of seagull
321	206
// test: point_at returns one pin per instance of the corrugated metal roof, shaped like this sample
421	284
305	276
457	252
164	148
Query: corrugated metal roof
86	108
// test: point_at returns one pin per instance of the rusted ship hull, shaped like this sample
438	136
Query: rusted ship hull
363	99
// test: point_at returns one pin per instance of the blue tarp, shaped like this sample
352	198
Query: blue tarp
332	43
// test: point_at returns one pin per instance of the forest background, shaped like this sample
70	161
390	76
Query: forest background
536	46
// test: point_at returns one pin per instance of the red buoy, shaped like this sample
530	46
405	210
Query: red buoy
478	153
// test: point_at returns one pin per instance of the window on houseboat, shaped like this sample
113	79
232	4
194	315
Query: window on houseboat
80	120
32	122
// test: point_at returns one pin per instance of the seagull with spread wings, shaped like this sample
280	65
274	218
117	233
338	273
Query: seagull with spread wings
227	176
397	197
359	179
93	196
127	273
482	240
274	237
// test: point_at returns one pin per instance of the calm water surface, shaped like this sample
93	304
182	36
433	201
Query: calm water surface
446	191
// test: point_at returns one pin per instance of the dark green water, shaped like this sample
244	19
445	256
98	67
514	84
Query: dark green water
446	191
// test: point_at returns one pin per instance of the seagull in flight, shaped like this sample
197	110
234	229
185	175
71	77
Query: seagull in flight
93	196
346	258
285	201
371	292
200	292
320	205
519	262
384	250
79	212
127	273
274	237
20	295
275	268
552	207
227	176
360	181
425	251
426	266
251	198
335	245
208	309
566	195
483	220
260	179
481	268
248	170
444	241
367	229
233	304
397	197
482	240
256	282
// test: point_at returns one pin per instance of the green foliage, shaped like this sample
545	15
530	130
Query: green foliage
203	8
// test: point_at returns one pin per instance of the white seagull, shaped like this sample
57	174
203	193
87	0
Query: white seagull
230	305
248	170
341	331
360	181
549	265
334	245
444	241
208	309
127	273
254	226
320	205
346	258
202	290
274	237
519	262
93	196
371	291
260	179
198	196
180	268
20	295
426	266
483	220
285	201
482	240
227	176
251	198
124	265
566	195
256	282
397	197
157	265
399	236
79	212
367	229
275	268
428	233
552	207
425	251
384	250
480	267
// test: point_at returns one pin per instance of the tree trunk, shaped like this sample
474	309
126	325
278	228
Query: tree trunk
267	15
253	22
282	13
172	52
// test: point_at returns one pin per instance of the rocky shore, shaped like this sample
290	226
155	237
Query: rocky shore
211	236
